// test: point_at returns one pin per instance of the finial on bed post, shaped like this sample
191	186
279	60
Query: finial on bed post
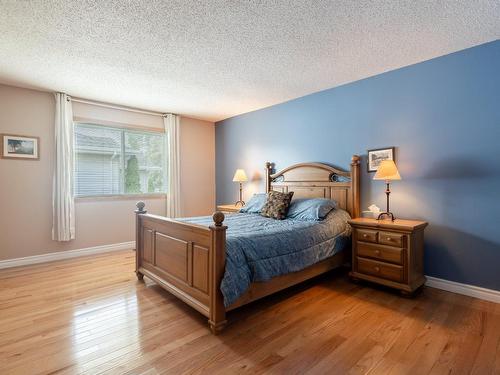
268	176
140	207
355	186
218	218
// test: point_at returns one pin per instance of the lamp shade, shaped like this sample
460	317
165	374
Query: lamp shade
387	170
240	176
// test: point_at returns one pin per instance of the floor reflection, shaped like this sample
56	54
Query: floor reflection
105	324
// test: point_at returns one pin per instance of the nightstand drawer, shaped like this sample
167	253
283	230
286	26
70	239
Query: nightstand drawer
384	253
391	239
366	235
382	270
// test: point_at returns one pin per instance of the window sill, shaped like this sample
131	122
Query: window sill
119	197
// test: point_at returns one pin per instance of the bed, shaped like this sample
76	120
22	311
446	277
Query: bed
216	264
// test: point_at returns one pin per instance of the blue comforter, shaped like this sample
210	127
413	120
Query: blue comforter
260	248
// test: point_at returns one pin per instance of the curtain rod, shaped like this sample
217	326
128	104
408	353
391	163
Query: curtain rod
122	108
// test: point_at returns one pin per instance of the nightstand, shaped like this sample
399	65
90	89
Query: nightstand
390	253
229	208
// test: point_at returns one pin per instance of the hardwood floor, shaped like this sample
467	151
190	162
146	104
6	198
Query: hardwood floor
92	316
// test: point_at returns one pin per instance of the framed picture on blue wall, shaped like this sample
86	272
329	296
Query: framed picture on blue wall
377	155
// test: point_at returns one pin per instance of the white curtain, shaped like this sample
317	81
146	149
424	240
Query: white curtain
63	205
172	130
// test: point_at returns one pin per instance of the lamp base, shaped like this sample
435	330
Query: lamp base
240	202
388	214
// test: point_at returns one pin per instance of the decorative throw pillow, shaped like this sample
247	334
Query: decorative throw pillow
277	205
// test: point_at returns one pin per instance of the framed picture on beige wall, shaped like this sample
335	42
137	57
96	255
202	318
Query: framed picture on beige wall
20	147
376	156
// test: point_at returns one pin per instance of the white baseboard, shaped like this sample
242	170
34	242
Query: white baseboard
50	257
465	289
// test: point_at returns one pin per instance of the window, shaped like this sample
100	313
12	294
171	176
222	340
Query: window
112	161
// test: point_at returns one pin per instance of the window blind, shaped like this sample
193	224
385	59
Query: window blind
114	161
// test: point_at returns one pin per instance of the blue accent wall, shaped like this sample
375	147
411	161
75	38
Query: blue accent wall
443	116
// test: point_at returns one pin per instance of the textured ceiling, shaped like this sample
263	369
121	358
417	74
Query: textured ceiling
216	59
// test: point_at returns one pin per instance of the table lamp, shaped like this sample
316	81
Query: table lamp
240	176
387	171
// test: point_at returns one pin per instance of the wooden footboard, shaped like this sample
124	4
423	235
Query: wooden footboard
185	259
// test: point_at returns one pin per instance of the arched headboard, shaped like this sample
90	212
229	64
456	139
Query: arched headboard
318	180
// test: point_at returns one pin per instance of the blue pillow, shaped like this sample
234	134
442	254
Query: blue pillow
255	204
310	209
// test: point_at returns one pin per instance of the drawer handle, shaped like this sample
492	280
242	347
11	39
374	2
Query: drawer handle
365	235
389	239
377	252
377	269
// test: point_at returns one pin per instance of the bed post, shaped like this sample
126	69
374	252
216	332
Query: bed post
268	177
355	187
138	233
217	260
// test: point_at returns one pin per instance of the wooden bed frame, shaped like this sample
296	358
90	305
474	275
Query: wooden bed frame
188	260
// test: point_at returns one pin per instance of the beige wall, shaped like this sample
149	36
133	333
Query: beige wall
26	186
197	140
